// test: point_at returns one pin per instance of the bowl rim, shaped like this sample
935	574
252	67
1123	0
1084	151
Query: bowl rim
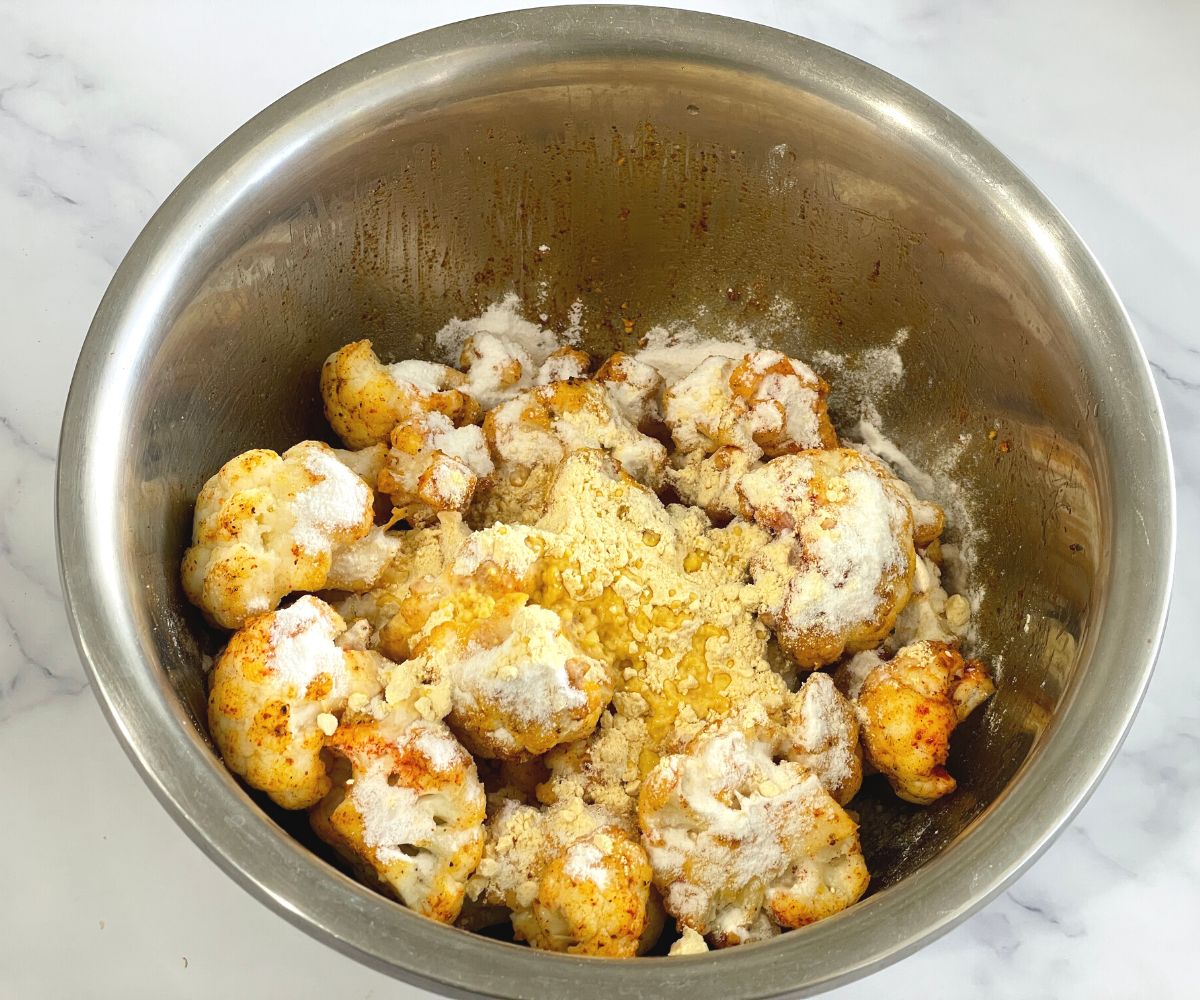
221	818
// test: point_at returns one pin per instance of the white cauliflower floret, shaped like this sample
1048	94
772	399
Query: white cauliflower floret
358	566
471	601
563	365
591	899
820	733
521	686
272	688
528	694
364	399
544	425
738	843
841	568
689	943
505	355
366	463
267	525
766	403
634	388
409	814
930	613
433	466
909	706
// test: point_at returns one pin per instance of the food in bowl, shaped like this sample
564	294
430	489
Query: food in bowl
581	647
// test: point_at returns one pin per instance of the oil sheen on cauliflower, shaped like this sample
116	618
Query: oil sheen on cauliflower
409	814
909	706
267	525
741	846
276	681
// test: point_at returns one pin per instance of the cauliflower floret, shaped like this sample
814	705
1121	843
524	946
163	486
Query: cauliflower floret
689	943
909	706
267	525
573	878
931	613
563	365
842	567
591	899
418	553
358	566
820	733
409	814
507	359
710	481
528	694
521	686
738	843
433	466
276	682
634	388
543	425
472	600
764	403
365	399
366	463
534	690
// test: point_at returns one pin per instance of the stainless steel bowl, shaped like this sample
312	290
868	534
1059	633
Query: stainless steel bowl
673	163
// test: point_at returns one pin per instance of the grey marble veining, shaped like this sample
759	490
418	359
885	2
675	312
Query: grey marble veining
103	109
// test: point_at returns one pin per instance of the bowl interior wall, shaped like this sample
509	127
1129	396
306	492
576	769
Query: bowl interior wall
684	193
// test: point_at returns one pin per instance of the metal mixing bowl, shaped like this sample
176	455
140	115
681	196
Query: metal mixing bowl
676	166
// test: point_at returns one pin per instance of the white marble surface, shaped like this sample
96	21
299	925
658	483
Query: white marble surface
103	108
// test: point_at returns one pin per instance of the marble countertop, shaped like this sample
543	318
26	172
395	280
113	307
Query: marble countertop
105	106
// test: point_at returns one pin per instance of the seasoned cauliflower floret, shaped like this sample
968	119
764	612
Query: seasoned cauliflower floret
739	843
433	466
528	694
820	733
563	365
366	463
634	388
358	566
409	814
909	706
267	525
573	879
930	613
710	481
365	399
591	899
472	600
277	681
506	354
521	686
842	567
764	403
544	425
